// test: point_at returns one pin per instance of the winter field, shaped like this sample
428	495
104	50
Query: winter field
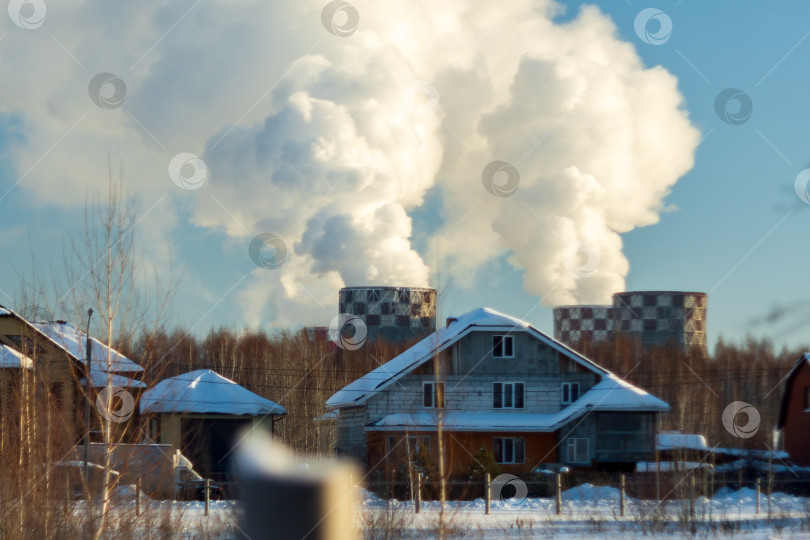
587	512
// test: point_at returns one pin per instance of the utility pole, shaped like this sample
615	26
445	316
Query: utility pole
88	385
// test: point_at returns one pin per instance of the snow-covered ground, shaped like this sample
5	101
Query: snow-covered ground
587	512
593	512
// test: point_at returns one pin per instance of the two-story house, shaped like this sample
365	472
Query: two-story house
496	386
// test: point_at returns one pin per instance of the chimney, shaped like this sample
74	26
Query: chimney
450	320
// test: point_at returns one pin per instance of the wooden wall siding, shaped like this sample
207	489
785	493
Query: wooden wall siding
797	419
461	447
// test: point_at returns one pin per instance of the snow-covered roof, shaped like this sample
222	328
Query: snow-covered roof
73	341
4	311
9	358
675	440
610	394
357	392
205	392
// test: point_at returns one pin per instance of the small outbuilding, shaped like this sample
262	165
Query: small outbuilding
202	413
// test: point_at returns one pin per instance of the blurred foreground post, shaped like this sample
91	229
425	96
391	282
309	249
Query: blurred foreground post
759	490
621	495
285	498
487	494
138	497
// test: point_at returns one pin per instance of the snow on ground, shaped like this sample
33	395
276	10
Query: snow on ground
588	512
593	512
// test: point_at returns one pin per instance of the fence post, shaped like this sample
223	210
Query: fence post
759	490
559	494
692	496
487	489
621	494
138	497
418	505
67	493
207	494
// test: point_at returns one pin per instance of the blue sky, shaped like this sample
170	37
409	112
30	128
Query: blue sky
733	226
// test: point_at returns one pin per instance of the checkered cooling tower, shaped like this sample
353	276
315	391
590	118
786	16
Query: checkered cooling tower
662	317
392	313
575	323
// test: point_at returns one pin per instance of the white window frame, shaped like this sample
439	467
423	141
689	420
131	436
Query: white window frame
512	394
572	446
434	398
570	386
515	441
502	352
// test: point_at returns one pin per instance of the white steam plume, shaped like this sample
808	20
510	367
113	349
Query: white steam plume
330	142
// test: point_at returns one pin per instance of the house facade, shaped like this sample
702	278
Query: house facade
501	392
794	414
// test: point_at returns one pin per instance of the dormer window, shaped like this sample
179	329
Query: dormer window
503	346
433	395
570	392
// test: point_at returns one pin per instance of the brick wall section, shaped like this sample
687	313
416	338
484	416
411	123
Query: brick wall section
351	437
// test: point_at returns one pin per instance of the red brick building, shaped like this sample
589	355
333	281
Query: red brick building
794	415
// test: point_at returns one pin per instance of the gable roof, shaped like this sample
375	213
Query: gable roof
801	362
615	392
73	340
205	392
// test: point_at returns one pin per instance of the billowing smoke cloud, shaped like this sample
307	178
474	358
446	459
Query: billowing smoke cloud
331	141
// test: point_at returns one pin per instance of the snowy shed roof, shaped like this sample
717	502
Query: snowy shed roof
73	341
675	440
205	392
9	358
357	392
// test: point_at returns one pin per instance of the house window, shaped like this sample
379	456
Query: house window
578	450
503	346
507	395
433	394
570	392
408	446
509	449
